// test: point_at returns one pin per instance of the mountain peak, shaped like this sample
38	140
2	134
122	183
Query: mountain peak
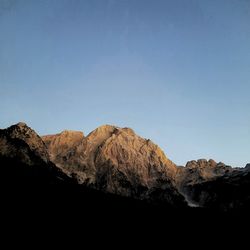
71	132
102	133
62	143
21	124
200	163
109	130
21	130
21	133
105	128
111	153
129	131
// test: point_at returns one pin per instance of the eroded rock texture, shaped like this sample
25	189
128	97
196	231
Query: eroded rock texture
118	161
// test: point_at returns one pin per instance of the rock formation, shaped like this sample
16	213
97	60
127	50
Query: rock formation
226	192
24	158
118	161
61	145
196	172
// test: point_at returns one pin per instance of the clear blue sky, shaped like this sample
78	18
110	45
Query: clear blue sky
177	72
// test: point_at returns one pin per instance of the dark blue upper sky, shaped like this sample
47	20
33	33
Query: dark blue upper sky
177	72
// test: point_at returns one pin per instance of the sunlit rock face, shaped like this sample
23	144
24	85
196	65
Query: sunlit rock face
118	161
60	145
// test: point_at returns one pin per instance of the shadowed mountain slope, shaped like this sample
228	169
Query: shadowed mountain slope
24	158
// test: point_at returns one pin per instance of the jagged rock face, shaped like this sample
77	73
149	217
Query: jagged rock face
60	145
130	165
79	159
215	185
24	158
200	171
196	172
138	159
118	161
22	143
226	192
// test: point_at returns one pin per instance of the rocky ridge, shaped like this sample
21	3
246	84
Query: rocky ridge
24	158
117	161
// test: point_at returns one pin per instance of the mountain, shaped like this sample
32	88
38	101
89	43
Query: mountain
37	195
226	192
60	145
116	160
24	158
30	181
113	164
197	172
214	185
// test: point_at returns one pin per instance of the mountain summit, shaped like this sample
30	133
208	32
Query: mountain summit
22	135
59	145
118	161
24	158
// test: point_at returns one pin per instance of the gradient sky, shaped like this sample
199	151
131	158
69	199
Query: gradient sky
177	72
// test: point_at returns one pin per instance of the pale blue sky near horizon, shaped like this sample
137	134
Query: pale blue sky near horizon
176	71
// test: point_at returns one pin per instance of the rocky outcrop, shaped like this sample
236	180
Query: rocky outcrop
197	172
228	192
61	145
200	171
214	185
24	158
21	134
118	161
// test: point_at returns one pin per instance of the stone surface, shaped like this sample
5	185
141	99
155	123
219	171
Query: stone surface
226	192
199	171
196	172
24	160
118	161
60	145
20	141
